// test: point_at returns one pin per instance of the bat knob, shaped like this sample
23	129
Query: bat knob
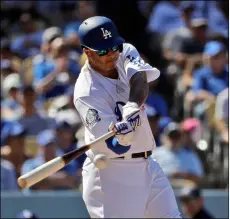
22	182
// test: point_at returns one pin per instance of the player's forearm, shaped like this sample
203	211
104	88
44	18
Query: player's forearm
139	88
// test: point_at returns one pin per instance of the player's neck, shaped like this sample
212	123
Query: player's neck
113	74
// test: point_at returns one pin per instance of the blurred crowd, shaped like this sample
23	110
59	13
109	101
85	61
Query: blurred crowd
187	106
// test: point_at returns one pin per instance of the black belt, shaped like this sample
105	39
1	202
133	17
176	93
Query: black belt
145	155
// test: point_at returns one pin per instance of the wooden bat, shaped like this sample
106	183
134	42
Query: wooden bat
52	166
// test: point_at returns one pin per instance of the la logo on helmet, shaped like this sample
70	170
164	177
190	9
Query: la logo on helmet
106	34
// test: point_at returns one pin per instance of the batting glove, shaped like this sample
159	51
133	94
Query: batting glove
131	113
124	132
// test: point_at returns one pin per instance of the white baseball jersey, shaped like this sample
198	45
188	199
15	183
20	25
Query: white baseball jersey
99	101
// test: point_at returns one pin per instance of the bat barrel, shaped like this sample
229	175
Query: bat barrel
56	164
41	172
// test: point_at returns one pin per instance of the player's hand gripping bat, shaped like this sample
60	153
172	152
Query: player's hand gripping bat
56	164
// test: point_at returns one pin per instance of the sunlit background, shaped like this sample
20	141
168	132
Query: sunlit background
187	106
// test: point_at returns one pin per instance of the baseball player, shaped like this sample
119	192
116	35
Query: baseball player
119	177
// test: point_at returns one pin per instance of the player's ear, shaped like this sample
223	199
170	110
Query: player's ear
87	51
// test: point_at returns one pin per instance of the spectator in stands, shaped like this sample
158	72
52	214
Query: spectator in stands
29	41
10	105
213	78
201	8
173	39
8	55
157	101
53	78
70	116
76	14
63	109
8	176
86	9
14	150
222	115
192	48
153	118
175	160
163	122
68	13
6	68
32	113
199	37
192	133
3	124
67	112
44	57
214	12
65	133
58	104
71	37
165	17
49	10
218	22
193	203
63	179
48	36
186	55
146	7
70	94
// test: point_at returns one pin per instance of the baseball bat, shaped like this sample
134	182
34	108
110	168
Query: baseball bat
52	166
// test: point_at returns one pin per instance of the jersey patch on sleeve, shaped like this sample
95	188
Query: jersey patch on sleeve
92	117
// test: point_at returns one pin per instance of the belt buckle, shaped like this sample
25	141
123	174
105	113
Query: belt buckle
146	155
128	157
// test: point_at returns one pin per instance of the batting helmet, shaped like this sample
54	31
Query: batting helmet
99	33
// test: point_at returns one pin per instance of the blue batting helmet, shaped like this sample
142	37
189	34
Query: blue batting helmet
99	33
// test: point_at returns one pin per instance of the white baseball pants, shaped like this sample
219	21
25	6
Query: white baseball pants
135	188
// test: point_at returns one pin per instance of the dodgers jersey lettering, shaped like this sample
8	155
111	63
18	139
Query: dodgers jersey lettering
99	101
